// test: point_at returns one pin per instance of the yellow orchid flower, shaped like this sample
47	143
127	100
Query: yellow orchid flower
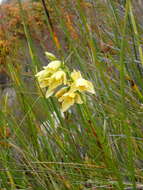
44	75
68	99
53	66
43	82
57	79
49	69
80	83
43	78
53	76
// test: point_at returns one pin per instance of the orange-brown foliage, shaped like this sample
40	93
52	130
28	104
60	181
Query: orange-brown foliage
11	27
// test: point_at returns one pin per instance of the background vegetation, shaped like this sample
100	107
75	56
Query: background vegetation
96	145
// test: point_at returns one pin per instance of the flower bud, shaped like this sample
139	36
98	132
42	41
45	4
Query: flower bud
50	56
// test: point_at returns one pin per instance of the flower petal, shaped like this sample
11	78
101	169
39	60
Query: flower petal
55	84
76	75
78	99
49	93
90	88
67	103
44	83
57	79
53	65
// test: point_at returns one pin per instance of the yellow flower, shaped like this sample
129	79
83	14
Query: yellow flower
44	75
44	82
52	76
80	83
43	78
53	66
68	99
57	79
50	56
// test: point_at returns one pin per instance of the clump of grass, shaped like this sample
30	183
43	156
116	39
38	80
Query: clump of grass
97	144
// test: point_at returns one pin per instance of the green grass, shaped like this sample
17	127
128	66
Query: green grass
96	144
